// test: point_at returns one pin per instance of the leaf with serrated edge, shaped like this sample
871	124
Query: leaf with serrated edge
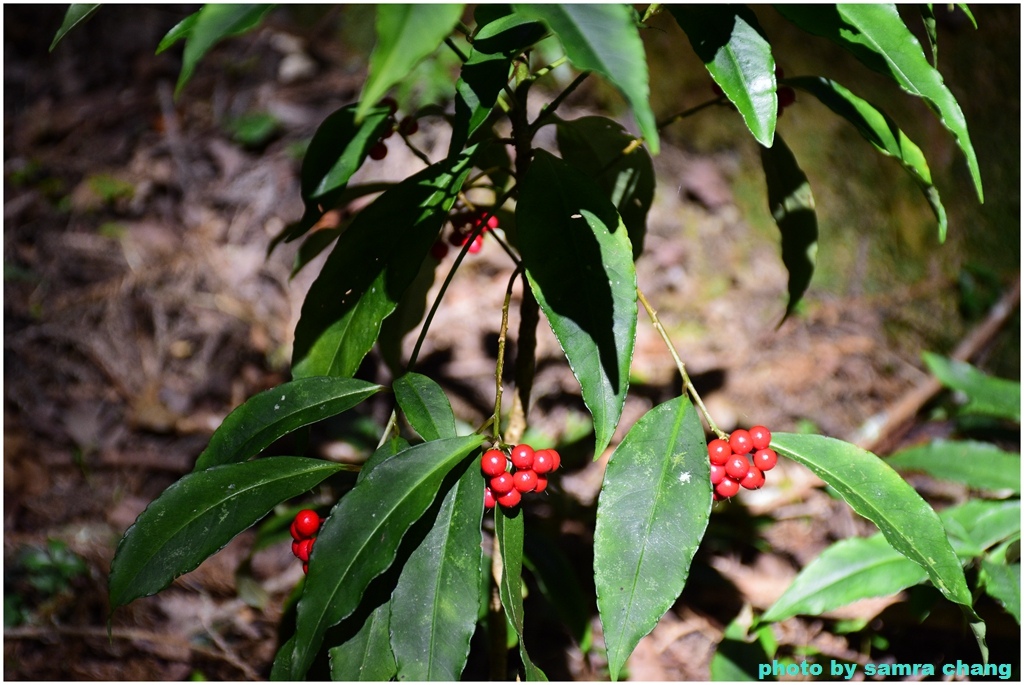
508	529
651	516
425	406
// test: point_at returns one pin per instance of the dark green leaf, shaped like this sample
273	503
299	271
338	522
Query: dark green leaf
360	538
977	464
580	267
406	34
509	531
930	31
407	316
425	406
274	413
76	14
560	584
199	514
214	23
1001	581
986	395
605	39
879	130
792	206
180	31
367	655
730	42
594	145
967	11
370	268
737	658
651	516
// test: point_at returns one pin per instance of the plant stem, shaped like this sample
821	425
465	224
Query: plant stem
687	383
550	108
455	48
499	368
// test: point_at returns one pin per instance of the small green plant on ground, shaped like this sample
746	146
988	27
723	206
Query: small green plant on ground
406	537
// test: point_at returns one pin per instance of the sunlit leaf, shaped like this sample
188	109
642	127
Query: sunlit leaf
986	394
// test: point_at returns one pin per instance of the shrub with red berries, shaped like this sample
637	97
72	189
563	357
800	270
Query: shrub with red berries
730	467
304	529
528	473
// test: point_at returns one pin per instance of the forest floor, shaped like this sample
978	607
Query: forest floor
140	307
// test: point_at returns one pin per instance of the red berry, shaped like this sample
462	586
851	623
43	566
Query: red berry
438	250
754	479
295	547
543	462
717	474
295	533
379	151
502	484
510	499
787	96
522	457
727	488
492	221
408	126
760	437
307	523
493	463
305	547
542	483
305	568
478	244
557	459
390	103
765	459
737	468
716	498
489	499
524	481
719	451
739	441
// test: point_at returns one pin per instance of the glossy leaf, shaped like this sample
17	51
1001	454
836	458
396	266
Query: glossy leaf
594	145
425	406
737	54
367	655
931	31
651	516
360	539
406	34
199	514
1002	582
986	394
876	492
977	464
508	529
213	23
604	39
976	525
876	35
579	265
180	31
76	14
274	413
792	206
369	269
879	130
438	586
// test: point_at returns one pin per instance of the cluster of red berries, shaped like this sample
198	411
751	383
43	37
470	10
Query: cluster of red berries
463	225
304	529
785	94
406	127
529	473
729	466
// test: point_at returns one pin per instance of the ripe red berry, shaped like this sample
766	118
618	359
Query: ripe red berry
765	459
760	437
408	126
522	456
542	483
295	547
739	441
492	221
477	245
295	533
557	459
727	488
438	250
543	462
305	568
307	523
379	151
719	451
524	481
754	479
305	547
737	468
510	499
489	499
493	463
502	484
787	96
717	474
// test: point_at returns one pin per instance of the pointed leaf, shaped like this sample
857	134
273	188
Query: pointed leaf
651	516
792	206
438	586
360	538
1002	582
425	406
986	395
879	130
979	524
76	14
730	42
406	34
977	464
274	413
199	514
370	268
605	39
931	31
180	31
508	529
212	24
389	449
367	655
580	267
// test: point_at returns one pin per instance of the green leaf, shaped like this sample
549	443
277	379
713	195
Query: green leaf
199	514
1002	582
367	655
579	264
370	267
594	146
390	448
977	464
407	316
508	529
212	24
737	54
274	413
930	31
651	516
406	34
876	35
792	206
180	31
879	130
986	395
360	538
76	14
979	524
438	586
605	39
737	655
560	584
967	11
425	406
876	492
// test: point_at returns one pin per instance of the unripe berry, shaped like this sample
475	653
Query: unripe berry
510	499
523	456
754	479
493	463
737	468
307	523
739	441
524	481
719	451
727	488
502	484
765	459
760	437
717	474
